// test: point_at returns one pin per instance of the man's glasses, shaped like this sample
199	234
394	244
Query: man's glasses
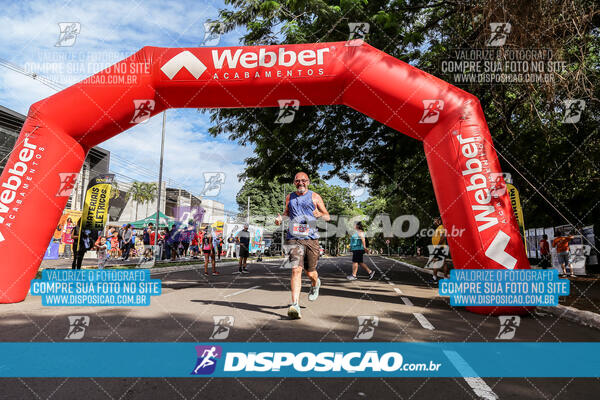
301	181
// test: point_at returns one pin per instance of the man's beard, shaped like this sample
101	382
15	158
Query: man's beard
301	189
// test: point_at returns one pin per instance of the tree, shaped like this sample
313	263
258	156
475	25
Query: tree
150	191
137	192
560	160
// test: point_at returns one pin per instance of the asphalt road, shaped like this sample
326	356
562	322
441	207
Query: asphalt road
404	301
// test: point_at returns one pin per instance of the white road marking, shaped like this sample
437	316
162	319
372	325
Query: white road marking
398	290
242	291
478	385
423	321
407	301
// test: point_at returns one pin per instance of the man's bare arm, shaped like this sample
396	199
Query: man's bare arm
320	209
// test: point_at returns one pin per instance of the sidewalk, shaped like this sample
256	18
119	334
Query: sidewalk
582	305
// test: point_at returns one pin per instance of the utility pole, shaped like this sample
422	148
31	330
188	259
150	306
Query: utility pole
160	174
248	212
282	221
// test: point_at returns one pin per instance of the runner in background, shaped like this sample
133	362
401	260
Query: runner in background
439	239
243	238
358	247
209	251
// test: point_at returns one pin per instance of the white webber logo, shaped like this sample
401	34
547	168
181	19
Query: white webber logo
431	111
186	60
497	251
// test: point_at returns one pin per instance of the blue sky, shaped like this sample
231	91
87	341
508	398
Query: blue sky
110	31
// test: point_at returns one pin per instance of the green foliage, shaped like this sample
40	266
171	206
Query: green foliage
560	160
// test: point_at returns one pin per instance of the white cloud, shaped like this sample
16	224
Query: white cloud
112	30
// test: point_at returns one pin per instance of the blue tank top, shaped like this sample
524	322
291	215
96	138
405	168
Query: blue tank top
300	210
355	242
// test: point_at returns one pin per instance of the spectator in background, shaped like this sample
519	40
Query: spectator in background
194	249
148	231
81	244
101	251
545	253
230	247
166	244
186	238
66	237
127	241
174	242
219	246
114	245
562	249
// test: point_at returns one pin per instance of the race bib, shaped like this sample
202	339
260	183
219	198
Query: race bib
300	230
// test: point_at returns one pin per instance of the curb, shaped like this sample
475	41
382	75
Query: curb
177	268
581	317
424	270
586	318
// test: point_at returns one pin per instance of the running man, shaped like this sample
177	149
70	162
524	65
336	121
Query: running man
243	238
303	207
358	246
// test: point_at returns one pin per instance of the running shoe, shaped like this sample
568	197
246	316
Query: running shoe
372	274
314	291
216	273
351	278
294	311
245	271
206	273
237	272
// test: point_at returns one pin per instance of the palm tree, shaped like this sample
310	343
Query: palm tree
137	192
151	190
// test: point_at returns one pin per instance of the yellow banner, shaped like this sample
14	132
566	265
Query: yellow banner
97	197
515	201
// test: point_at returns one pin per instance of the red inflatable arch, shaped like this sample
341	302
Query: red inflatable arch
60	130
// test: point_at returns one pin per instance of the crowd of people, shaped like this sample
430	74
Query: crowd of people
175	243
